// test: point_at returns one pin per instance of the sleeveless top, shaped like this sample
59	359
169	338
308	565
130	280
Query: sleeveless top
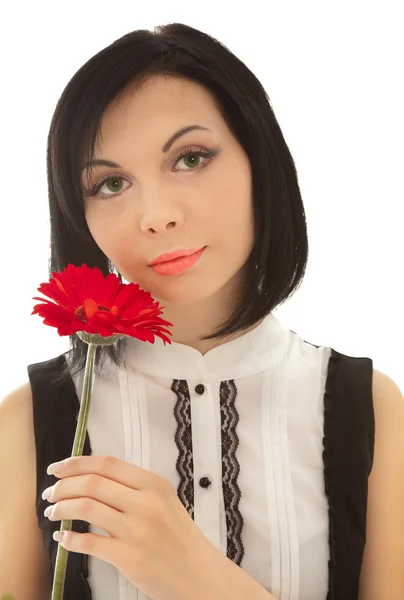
268	440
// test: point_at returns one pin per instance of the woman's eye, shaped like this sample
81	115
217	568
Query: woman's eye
192	159
113	185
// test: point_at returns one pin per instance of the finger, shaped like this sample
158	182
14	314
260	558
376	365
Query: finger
102	547
99	488
113	468
104	517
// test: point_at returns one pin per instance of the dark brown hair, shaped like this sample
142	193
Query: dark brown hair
279	257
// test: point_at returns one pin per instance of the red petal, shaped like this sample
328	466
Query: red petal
90	308
125	308
114	311
110	290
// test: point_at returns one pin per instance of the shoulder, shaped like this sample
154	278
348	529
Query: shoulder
386	393
18	399
16	415
388	405
382	574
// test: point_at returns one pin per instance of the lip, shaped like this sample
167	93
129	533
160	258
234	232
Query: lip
178	265
173	255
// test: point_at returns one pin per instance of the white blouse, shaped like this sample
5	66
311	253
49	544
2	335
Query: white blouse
248	416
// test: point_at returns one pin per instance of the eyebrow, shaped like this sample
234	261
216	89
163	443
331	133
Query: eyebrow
165	148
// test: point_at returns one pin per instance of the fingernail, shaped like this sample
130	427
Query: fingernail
54	468
46	494
58	536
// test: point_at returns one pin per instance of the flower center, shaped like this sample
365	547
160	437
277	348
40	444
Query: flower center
81	314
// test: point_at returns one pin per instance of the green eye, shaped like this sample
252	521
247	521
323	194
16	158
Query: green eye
193	157
114	187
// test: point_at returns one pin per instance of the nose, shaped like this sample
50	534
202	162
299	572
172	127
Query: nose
161	220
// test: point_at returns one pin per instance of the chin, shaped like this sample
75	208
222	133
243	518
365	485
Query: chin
180	298
181	290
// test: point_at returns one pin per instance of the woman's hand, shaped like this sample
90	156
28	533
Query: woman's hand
151	539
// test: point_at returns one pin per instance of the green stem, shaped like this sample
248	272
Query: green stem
78	445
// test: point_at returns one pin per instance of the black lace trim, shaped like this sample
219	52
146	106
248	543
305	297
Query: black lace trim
230	464
231	470
329	459
183	439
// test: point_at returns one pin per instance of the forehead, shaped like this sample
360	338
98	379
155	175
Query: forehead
159	104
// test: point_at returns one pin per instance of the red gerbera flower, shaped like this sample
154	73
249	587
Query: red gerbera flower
84	300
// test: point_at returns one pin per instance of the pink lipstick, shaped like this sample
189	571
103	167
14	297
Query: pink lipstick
176	262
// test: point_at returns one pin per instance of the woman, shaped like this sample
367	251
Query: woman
167	165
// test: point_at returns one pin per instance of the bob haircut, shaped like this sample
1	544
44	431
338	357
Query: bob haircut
277	263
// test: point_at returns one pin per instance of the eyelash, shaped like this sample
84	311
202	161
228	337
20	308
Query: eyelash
204	152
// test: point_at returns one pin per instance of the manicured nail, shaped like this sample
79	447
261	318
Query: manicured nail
54	468
58	536
46	493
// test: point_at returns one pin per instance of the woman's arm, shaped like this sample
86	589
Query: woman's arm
219	578
382	574
24	563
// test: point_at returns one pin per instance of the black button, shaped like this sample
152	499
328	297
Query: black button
205	482
200	389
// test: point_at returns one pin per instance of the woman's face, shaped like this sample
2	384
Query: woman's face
153	204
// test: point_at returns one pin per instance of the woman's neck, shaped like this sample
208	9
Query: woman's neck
193	321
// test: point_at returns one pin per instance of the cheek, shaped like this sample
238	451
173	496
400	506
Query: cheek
232	213
114	241
105	239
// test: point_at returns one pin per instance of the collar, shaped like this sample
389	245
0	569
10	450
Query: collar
250	353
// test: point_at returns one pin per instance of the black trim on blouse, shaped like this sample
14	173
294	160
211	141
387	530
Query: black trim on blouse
349	436
229	418
55	411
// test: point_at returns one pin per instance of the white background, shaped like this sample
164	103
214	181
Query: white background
334	75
